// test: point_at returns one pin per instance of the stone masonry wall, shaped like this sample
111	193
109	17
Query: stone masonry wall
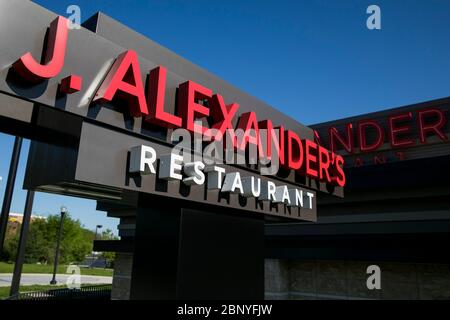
122	276
347	280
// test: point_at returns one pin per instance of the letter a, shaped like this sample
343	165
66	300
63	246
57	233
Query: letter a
374	20
374	280
125	79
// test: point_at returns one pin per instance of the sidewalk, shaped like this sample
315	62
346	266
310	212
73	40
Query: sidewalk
29	279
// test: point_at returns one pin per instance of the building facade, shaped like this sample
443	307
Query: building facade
102	105
395	214
107	111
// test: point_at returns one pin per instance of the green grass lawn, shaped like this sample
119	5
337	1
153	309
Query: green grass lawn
48	268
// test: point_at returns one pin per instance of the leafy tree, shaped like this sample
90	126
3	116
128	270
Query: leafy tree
108	235
10	247
37	248
76	241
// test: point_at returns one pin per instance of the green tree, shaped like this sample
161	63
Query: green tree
108	235
37	247
76	242
12	228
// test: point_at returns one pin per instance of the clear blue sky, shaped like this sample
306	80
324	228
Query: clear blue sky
314	60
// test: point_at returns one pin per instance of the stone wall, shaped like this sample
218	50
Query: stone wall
122	276
347	280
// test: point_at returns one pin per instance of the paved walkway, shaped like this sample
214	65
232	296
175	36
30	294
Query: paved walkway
29	279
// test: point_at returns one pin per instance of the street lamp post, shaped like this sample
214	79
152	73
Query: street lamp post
99	226
58	240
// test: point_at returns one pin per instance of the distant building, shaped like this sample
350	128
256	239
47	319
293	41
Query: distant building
18	217
15	221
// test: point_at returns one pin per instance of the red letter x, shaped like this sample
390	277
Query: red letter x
222	114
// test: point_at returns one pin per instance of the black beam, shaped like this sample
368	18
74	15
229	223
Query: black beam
22	243
412	248
9	189
123	246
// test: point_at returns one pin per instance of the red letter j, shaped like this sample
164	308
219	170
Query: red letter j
33	71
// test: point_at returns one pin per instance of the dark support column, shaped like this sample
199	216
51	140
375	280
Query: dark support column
22	243
188	254
221	257
155	256
9	190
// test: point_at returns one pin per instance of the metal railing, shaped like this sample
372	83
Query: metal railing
97	292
